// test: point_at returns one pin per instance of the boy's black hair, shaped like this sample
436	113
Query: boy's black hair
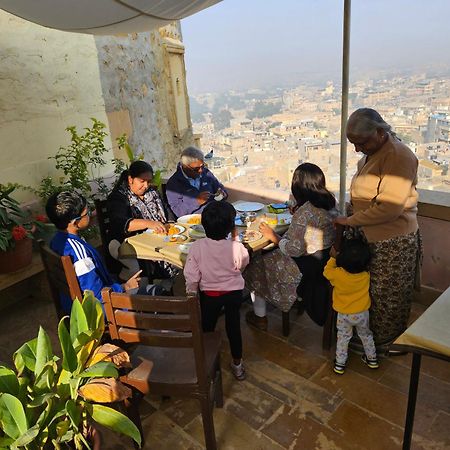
63	207
354	256
218	219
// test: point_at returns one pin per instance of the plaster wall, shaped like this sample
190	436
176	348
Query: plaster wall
137	76
48	80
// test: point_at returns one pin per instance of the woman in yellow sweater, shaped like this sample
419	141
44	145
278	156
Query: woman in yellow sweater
384	208
347	273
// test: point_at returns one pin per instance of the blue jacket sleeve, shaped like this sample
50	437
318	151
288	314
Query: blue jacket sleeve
86	272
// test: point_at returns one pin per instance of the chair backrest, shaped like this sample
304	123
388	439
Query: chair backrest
61	276
157	322
104	222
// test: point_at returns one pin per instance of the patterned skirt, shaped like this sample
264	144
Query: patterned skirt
274	277
394	273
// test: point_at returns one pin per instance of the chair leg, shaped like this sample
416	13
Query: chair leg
132	411
218	389
328	330
285	318
208	423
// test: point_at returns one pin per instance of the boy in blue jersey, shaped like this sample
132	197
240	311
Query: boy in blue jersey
70	214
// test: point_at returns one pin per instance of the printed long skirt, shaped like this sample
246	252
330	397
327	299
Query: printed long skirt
393	273
274	277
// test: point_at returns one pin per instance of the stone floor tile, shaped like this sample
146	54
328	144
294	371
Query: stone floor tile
440	430
364	429
431	391
182	411
280	352
374	397
295	431
247	402
163	434
292	389
232	433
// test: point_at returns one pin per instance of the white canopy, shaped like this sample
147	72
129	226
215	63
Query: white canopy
104	16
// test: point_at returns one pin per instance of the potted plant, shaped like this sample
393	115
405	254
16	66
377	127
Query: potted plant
15	232
48	402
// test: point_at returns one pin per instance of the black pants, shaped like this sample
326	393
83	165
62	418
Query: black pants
211	307
314	288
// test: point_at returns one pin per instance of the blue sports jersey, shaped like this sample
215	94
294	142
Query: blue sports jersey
89	267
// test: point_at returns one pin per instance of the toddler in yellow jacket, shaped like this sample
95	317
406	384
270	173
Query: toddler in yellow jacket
347	273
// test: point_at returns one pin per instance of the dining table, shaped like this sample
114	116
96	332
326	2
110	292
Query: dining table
158	247
429	336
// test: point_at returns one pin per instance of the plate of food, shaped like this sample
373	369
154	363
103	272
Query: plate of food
184	248
197	232
175	238
174	228
250	236
190	219
248	206
277	208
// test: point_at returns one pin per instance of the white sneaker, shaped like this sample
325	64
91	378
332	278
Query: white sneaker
238	370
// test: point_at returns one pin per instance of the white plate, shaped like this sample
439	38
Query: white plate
184	248
185	219
179	228
248	206
250	236
175	238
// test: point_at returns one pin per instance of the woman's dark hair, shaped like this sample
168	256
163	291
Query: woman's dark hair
308	185
63	207
218	219
354	256
136	169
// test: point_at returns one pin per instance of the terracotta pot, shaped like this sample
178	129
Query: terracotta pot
16	258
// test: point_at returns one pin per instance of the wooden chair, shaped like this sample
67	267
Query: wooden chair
103	220
186	361
61	276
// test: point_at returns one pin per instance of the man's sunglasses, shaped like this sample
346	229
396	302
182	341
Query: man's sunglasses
196	169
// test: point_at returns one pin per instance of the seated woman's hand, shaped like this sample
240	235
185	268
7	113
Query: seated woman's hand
268	232
158	227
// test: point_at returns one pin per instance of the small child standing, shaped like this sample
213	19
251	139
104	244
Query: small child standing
213	268
347	273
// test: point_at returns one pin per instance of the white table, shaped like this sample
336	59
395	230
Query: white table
429	335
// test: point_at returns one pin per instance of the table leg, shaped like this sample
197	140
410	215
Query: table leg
412	398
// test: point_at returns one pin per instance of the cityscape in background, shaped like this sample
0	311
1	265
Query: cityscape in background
256	138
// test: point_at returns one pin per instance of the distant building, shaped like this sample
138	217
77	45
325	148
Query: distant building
438	128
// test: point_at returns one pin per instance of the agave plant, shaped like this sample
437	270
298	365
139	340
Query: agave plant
49	402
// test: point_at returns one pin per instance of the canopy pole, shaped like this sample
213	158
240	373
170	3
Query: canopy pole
344	103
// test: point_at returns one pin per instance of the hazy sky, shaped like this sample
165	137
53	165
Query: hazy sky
251	43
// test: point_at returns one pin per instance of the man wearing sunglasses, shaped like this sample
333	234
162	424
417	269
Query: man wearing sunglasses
192	185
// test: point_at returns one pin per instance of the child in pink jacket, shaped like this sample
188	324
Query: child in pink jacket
213	268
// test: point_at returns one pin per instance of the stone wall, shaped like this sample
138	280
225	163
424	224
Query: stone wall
48	80
51	79
137	81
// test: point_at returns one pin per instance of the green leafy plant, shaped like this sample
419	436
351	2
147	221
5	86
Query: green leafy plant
15	223
48	402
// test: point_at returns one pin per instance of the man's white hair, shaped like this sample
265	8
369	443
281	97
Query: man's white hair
190	155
